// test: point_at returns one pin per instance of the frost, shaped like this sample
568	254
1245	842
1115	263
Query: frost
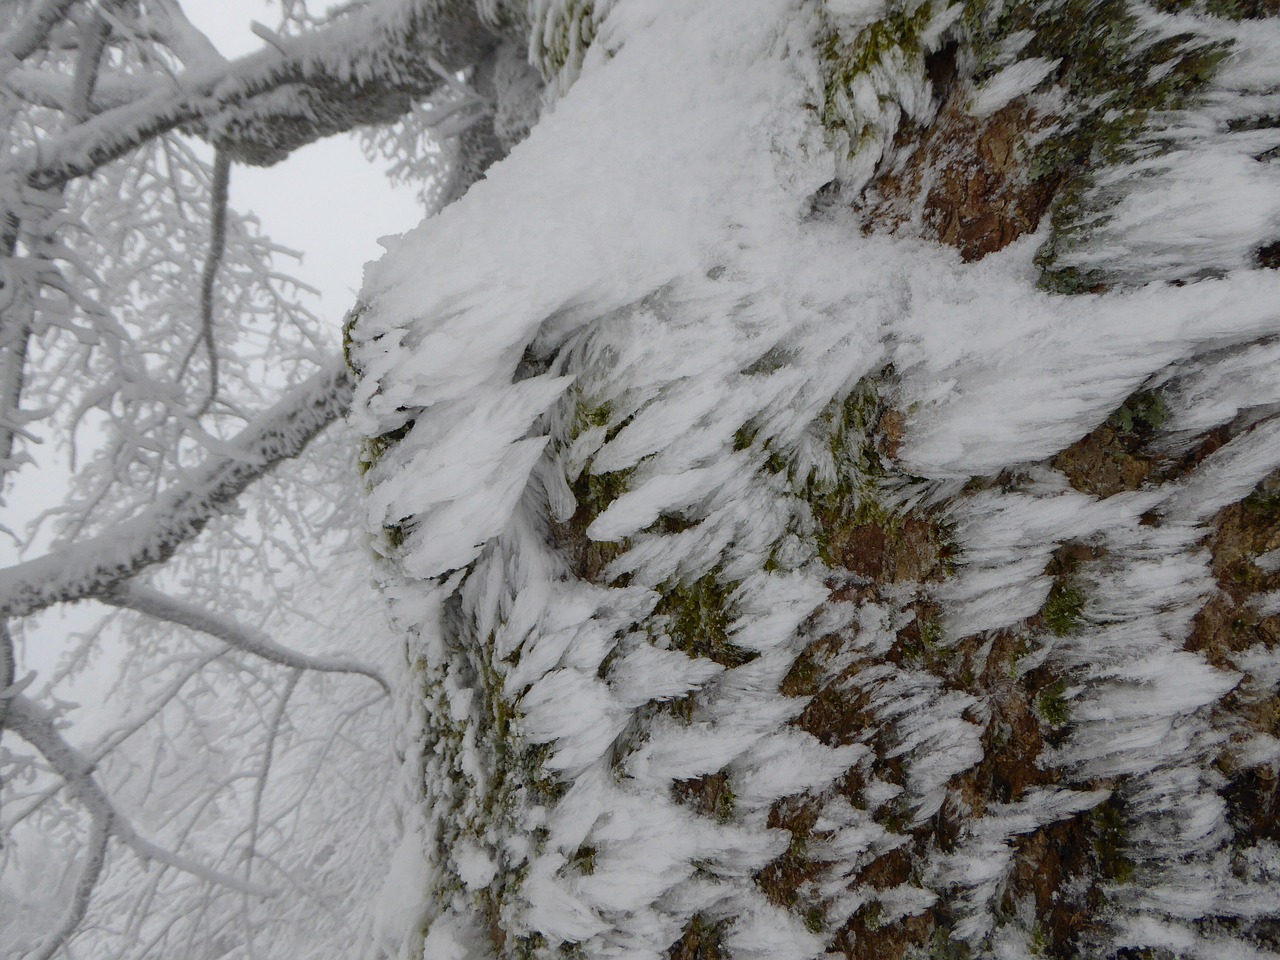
629	355
1013	81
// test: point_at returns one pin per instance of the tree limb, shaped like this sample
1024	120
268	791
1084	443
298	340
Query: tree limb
209	274
95	859
36	726
31	34
93	43
92	567
260	788
400	50
158	605
111	740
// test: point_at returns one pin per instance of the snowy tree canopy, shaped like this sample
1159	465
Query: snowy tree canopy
827	474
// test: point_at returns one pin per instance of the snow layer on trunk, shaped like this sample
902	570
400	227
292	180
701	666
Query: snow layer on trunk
642	300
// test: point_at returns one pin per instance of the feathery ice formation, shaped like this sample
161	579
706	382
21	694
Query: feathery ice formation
828	475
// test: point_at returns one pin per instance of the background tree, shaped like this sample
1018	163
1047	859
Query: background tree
220	800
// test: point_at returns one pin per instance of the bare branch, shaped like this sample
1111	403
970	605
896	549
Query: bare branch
156	604
92	567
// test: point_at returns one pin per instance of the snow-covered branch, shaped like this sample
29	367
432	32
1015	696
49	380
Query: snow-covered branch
91	567
368	67
95	858
32	32
155	604
37	726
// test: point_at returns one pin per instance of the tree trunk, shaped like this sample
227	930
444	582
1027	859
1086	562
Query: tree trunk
828	477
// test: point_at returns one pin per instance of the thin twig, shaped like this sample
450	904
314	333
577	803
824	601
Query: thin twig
220	183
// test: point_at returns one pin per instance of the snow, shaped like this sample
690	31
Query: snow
1013	81
648	262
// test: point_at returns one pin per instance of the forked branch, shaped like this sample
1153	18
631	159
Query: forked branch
236	635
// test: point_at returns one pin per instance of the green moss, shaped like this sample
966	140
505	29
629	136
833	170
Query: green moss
949	549
1143	413
588	415
745	437
375	448
921	643
1110	839
931	632
529	947
725	804
1117	74
348	324
815	919
852	499
1064	608
1041	941
1052	704
683	707
1226	9
942	947
1117	80
697	617
771	361
565	37
845	58
595	492
871	916
805	676
584	858
396	534
702	940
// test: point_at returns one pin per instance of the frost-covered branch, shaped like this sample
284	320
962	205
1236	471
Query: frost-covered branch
36	726
113	740
181	36
365	68
32	32
260	788
209	274
95	858
155	604
93	43
91	567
